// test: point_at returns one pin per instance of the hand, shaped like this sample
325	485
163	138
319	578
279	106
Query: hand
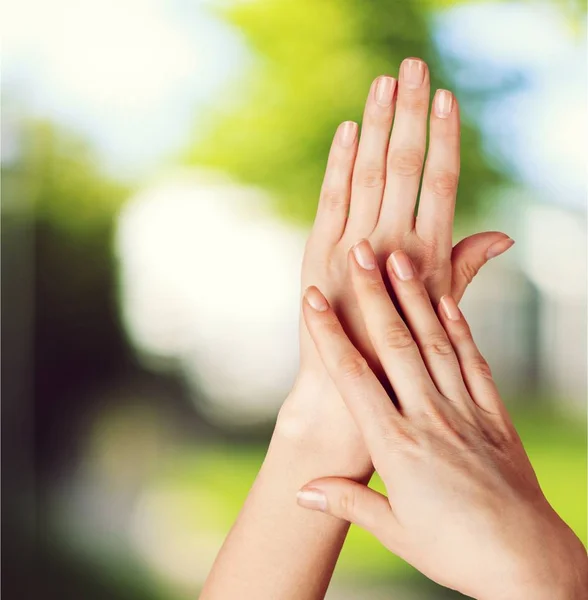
370	190
464	505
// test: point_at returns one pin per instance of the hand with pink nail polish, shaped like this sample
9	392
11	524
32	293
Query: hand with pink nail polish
463	504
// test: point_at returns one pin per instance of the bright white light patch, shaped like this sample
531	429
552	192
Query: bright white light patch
211	280
539	126
129	75
111	54
512	34
555	251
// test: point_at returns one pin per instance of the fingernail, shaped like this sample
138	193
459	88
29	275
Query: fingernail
499	247
312	498
364	255
401	265
316	299
385	90
413	72
450	308
443	103
346	133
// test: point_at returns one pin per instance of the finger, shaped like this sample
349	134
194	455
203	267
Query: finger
369	173
353	502
434	222
406	151
368	403
388	333
426	329
333	207
474	368
471	254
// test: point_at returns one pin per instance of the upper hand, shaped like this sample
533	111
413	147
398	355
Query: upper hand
464	505
370	190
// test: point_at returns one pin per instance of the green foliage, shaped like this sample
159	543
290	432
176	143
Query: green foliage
313	65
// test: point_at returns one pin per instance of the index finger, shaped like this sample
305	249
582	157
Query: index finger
373	412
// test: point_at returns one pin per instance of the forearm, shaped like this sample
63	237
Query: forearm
276	549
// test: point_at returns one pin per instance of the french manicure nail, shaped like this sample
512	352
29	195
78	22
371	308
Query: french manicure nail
385	90
450	309
312	498
364	255
499	247
443	103
401	265
346	133
316	299
413	72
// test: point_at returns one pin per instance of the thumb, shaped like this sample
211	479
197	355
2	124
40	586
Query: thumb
471	254
353	502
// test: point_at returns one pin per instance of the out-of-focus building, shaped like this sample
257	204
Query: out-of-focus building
554	257
528	308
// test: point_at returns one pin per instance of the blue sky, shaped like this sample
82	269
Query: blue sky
131	74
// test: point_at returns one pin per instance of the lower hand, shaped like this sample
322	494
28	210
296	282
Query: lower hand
463	504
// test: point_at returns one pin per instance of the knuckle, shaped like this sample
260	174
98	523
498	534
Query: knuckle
437	344
330	325
352	366
432	262
377	117
461	332
370	177
450	427
333	199
443	184
347	503
396	433
468	271
406	162
508	434
478	366
374	286
414	103
414	291
388	431
397	337
435	417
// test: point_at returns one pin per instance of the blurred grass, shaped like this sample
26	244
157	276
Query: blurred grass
217	479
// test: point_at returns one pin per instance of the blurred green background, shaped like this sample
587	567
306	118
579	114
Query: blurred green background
159	159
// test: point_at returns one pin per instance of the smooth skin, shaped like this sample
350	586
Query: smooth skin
276	550
463	504
370	191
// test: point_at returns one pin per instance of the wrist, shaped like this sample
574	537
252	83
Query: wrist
558	569
299	418
568	584
313	422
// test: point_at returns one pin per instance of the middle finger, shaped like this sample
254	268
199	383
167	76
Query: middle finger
406	152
